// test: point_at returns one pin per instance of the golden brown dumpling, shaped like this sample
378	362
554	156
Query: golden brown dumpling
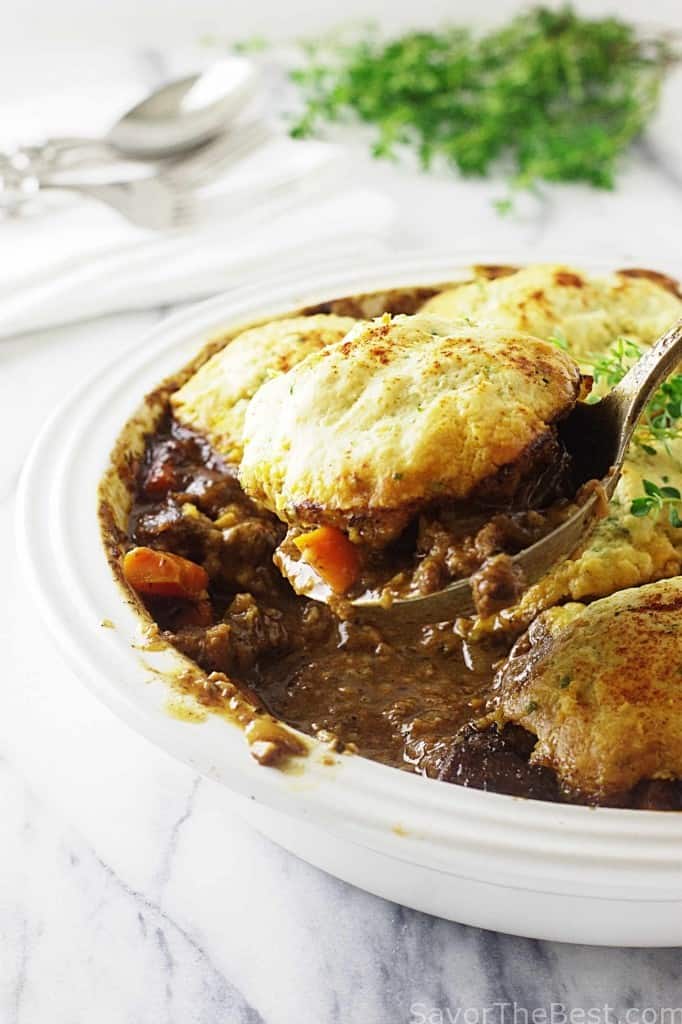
213	401
546	300
601	688
402	412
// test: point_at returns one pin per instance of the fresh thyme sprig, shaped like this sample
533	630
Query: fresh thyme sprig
665	408
550	96
661	421
663	412
656	499
610	368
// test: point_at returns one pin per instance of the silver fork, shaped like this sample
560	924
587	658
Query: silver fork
157	203
208	163
160	202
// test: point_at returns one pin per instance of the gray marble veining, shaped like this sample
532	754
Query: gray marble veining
80	942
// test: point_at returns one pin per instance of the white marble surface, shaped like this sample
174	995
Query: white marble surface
130	891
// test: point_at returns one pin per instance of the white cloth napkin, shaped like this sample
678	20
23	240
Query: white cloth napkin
77	259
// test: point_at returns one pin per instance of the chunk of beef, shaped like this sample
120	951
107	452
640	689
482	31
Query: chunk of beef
236	557
248	632
498	761
170	458
657	795
210	648
159	473
211	491
449	550
255	631
184	531
510	533
542	474
496	585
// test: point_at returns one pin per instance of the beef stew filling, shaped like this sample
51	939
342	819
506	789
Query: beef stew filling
412	706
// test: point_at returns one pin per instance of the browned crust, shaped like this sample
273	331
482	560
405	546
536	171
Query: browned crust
401	300
373	304
376	527
663	280
490	271
619	688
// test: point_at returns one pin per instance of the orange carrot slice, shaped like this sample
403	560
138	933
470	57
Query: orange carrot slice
332	556
164	574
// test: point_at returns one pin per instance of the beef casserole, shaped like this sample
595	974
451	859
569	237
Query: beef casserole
395	442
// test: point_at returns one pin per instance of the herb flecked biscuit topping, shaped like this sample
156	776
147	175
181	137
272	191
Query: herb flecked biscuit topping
402	412
599	686
586	312
214	400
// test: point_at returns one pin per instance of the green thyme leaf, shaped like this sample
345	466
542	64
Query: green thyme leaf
656	499
550	95
504	205
559	340
661	420
641	507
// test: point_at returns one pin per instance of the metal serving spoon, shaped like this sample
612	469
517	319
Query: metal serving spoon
597	436
172	120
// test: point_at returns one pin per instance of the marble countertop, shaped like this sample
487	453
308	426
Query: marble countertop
131	891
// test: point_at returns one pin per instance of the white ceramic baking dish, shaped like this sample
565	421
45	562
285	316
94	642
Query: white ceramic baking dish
537	869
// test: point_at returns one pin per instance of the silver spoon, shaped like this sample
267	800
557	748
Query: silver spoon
172	120
597	436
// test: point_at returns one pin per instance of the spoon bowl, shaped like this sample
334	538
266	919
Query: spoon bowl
173	120
185	113
597	437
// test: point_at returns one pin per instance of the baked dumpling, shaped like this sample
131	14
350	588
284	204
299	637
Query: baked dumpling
403	412
590	312
601	689
214	400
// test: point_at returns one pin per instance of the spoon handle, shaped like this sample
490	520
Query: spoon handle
64	152
633	392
